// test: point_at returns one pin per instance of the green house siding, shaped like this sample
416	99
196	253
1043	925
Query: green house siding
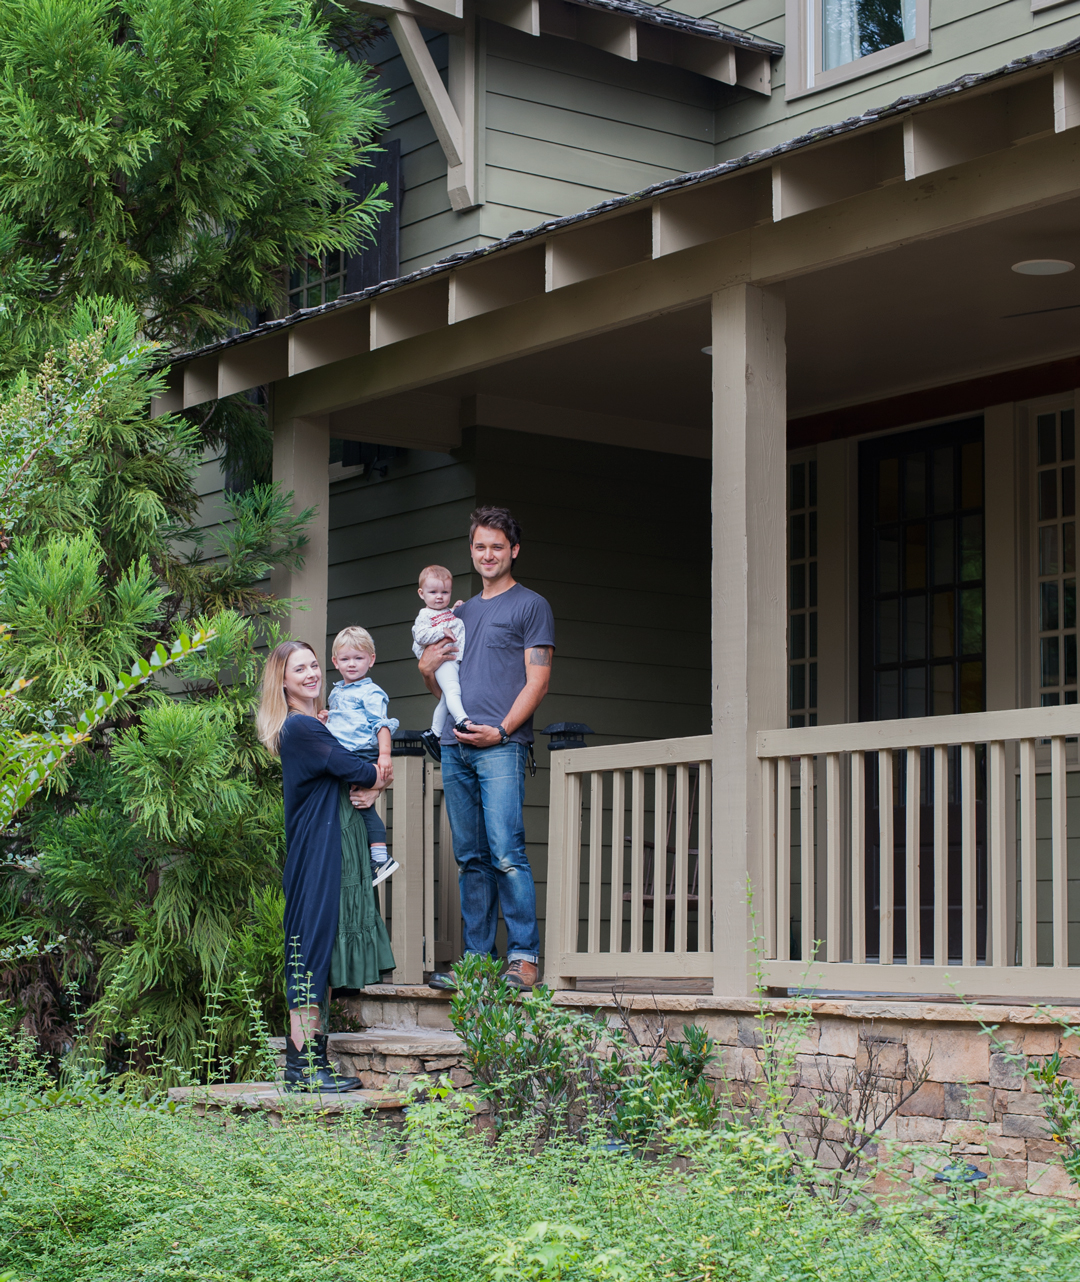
967	36
564	126
430	229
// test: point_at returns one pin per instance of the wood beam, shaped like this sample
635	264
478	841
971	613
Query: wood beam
1012	181
1066	96
200	380
491	283
613	32
443	15
457	143
749	601
585	425
416	420
248	365
301	467
404	314
942	135
170	401
596	248
710	212
336	336
824	175
522	15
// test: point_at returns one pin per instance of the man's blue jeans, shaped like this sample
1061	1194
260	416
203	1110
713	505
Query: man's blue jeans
484	793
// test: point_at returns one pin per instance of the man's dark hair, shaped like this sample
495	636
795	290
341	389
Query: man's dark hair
495	518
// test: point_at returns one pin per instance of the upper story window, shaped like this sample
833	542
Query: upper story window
830	41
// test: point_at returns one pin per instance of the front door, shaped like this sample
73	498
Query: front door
921	639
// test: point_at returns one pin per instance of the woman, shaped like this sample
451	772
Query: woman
334	934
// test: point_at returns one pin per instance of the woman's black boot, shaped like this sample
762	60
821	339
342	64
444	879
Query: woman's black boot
309	1069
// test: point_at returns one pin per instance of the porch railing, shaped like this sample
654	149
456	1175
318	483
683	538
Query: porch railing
924	855
421	902
629	862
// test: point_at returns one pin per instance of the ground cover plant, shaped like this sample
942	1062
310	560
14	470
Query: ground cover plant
100	1191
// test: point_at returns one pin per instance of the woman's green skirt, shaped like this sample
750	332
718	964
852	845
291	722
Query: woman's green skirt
362	948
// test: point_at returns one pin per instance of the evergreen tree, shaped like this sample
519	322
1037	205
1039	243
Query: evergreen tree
176	154
148	875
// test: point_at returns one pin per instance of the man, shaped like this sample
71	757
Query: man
505	671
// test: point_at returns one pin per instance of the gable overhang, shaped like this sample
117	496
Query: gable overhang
983	149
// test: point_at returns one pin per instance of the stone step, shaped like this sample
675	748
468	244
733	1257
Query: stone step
273	1100
391	1058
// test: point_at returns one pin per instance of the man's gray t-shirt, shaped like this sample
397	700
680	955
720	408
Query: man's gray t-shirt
497	634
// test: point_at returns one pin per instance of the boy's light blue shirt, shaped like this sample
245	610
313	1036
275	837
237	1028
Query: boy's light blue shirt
358	712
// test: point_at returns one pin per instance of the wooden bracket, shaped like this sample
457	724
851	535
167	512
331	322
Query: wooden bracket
458	142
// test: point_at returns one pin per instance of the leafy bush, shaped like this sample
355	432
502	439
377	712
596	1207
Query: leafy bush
562	1070
108	1193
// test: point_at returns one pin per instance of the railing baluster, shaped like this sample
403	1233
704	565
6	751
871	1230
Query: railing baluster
659	874
572	870
967	853
941	855
832	857
618	840
637	859
858	858
912	887
783	859
806	851
705	858
768	853
428	790
1059	856
1028	913
885	857
997	829
596	858
682	852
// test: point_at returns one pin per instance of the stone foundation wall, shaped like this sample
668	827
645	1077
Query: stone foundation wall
975	1105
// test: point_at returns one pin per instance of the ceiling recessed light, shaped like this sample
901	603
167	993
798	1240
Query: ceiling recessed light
706	351
1043	267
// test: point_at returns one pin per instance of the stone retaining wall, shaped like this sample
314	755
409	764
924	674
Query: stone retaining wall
975	1106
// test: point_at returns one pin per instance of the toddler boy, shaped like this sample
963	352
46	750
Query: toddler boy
357	719
432	623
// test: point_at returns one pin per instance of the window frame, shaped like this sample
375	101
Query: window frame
803	64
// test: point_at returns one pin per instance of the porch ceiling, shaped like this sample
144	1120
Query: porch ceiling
929	313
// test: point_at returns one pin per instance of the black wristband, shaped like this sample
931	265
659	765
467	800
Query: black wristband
505	739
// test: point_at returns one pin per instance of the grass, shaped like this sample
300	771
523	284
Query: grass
107	1192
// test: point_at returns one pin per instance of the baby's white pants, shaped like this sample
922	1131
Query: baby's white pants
448	675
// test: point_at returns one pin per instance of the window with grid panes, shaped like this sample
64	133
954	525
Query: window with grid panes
921	617
316	281
1055	501
802	593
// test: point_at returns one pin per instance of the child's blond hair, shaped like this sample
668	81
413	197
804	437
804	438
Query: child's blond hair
439	572
360	638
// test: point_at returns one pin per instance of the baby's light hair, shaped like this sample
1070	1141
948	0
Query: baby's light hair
439	572
354	636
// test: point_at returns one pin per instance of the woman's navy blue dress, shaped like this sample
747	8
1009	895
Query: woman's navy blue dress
313	767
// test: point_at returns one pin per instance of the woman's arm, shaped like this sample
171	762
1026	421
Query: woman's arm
309	737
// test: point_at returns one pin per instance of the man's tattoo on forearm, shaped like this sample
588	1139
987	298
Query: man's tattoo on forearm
540	656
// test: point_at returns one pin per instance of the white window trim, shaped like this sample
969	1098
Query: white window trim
803	62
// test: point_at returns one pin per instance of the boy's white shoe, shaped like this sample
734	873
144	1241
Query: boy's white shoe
380	872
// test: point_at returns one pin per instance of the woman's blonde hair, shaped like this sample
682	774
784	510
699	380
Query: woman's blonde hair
273	706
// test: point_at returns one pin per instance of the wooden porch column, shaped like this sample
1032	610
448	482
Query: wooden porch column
749	628
301	464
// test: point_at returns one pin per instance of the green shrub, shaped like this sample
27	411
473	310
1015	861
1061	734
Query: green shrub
108	1193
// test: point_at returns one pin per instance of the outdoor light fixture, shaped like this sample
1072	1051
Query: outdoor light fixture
407	743
566	734
1043	267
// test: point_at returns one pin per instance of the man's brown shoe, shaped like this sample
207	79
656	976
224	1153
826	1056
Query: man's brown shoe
521	974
